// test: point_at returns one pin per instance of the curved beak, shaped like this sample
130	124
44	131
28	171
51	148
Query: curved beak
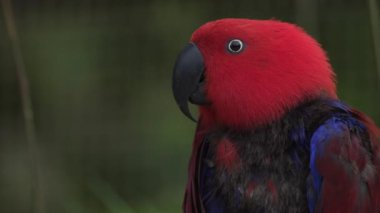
188	79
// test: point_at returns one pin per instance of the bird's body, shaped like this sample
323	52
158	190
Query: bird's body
272	134
269	169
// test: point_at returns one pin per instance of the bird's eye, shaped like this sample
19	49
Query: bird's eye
235	46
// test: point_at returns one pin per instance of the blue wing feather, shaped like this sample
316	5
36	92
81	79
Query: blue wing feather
344	165
320	136
340	167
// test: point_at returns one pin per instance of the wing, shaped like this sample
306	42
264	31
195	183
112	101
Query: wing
344	167
192	201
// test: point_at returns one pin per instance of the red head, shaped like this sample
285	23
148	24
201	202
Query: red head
278	67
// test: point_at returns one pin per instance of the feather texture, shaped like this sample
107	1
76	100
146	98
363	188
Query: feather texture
344	166
320	157
274	136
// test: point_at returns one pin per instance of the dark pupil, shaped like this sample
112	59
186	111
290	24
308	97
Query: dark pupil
235	46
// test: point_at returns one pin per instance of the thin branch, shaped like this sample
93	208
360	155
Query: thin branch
37	192
375	23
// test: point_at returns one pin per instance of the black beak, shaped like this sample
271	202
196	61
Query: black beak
188	79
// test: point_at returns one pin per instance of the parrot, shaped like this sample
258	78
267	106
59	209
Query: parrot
272	134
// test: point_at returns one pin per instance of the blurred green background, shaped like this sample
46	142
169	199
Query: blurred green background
110	136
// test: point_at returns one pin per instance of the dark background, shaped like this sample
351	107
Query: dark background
110	137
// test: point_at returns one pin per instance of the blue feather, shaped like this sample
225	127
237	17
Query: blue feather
335	127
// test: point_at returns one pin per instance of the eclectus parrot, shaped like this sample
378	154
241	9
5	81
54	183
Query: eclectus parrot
272	134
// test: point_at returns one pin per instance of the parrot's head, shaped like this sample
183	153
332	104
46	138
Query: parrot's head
245	73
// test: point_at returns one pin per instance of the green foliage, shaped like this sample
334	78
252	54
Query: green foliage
111	137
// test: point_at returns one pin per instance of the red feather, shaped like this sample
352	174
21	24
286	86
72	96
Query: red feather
226	155
350	174
280	67
374	131
192	202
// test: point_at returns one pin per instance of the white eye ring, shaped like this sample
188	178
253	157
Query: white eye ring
235	46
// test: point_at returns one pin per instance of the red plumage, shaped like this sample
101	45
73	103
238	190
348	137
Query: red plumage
226	154
286	64
276	49
191	202
280	68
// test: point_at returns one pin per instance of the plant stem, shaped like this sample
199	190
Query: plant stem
33	151
375	23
